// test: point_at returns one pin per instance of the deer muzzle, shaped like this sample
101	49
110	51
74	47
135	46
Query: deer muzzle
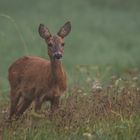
57	55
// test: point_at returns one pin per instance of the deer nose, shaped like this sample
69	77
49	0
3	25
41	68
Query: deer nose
57	55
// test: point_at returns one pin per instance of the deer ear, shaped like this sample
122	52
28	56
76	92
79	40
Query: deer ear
64	30
44	32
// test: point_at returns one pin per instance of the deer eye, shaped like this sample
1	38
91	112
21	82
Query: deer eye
50	44
63	44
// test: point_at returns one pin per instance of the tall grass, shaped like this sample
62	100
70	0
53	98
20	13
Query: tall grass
101	112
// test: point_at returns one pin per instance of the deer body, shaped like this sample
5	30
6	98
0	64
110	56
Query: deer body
36	79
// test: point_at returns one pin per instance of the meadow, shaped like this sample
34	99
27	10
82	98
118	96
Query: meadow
101	59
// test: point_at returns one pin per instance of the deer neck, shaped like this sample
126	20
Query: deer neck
57	70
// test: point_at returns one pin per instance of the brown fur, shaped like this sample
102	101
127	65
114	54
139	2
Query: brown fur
34	78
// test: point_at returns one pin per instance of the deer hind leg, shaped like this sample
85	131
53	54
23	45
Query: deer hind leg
25	103
15	96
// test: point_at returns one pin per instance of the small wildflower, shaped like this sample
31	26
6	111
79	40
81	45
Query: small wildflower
96	86
66	128
85	94
113	78
138	89
4	111
135	78
117	82
79	90
89	135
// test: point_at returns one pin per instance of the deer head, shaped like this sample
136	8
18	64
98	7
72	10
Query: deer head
55	42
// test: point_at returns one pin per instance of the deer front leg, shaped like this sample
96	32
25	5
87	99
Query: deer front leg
38	104
39	101
54	105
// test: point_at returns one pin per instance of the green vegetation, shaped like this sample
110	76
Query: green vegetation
103	48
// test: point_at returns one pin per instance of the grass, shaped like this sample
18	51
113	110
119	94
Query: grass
103	112
102	63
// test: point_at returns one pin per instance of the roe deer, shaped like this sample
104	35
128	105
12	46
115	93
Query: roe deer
36	79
